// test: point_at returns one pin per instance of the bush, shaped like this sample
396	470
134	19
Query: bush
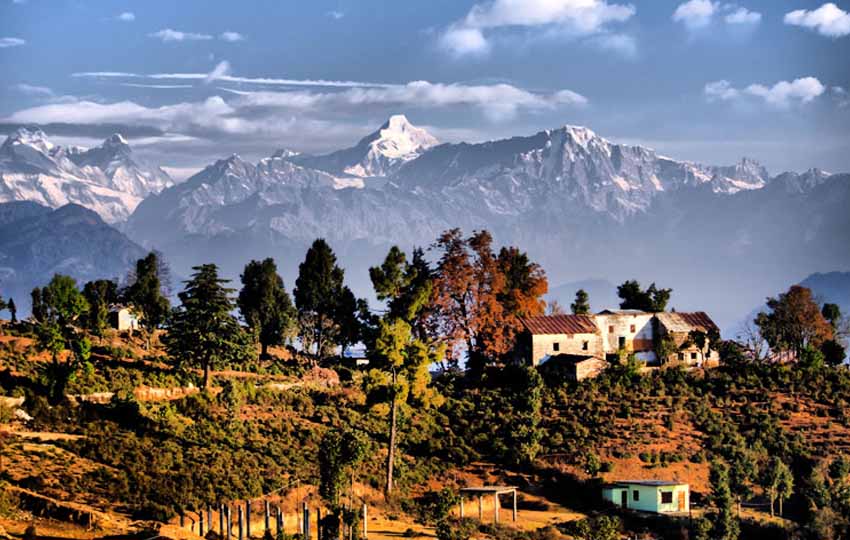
456	529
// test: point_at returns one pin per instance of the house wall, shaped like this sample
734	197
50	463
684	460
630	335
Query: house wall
649	498
589	368
614	326
612	494
543	345
124	320
686	355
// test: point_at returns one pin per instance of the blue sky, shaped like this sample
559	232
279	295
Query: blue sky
190	81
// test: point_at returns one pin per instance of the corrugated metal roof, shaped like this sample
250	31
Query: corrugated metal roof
685	322
560	324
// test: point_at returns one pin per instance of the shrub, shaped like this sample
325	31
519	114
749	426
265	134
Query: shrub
456	529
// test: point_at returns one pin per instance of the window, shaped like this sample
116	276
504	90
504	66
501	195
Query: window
610	329
681	356
622	342
632	329
585	345
693	356
635	495
666	497
556	346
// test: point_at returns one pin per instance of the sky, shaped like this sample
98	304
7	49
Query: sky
191	81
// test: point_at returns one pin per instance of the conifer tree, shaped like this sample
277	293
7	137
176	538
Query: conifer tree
100	294
13	310
144	293
317	295
265	304
581	306
203	332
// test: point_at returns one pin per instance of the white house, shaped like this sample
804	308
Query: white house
123	318
656	496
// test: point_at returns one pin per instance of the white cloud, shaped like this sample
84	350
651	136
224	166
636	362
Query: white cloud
472	34
828	20
840	95
167	35
698	14
695	13
221	69
127	16
231	36
336	14
11	42
31	90
742	15
622	43
265	81
781	95
720	90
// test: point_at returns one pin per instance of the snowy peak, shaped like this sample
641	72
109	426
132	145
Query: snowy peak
107	179
379	154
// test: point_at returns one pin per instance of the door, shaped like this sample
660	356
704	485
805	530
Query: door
624	498
682	499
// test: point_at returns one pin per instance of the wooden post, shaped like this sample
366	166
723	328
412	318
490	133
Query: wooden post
182	521
209	518
365	522
279	522
496	510
229	521
267	515
248	519
301	519
221	521
241	522
318	524
201	523
514	505
461	506
306	522
480	508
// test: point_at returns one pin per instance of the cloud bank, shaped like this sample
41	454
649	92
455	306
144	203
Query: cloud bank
782	95
828	20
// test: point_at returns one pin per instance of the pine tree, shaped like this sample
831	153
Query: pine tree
265	304
13	310
145	294
203	332
100	294
726	525
581	306
317	295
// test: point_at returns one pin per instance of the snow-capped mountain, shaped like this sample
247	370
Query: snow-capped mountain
378	154
107	179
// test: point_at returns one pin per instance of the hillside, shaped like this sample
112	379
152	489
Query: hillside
127	460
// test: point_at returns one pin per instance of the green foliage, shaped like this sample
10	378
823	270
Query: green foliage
596	528
265	304
726	526
634	297
456	529
794	322
581	306
436	506
203	332
100	294
144	293
339	453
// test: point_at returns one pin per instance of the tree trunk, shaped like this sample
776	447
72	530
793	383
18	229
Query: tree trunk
780	506
391	450
264	349
206	376
772	499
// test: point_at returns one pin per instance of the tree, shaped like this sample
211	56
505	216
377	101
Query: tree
794	322
406	360
13	310
742	471
265	305
317	295
479	298
144	293
652	299
726	526
60	306
339	453
100	294
202	331
778	482
832	313
406	287
581	306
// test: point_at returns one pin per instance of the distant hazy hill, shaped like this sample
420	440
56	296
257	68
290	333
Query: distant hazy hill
833	287
37	242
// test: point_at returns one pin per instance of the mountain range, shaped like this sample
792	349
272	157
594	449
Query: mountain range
108	179
723	237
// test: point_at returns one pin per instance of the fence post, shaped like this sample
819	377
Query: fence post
229	523
306	522
209	518
279	521
201	523
365	522
318	524
221	521
266	506
182	521
248	518
240	517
